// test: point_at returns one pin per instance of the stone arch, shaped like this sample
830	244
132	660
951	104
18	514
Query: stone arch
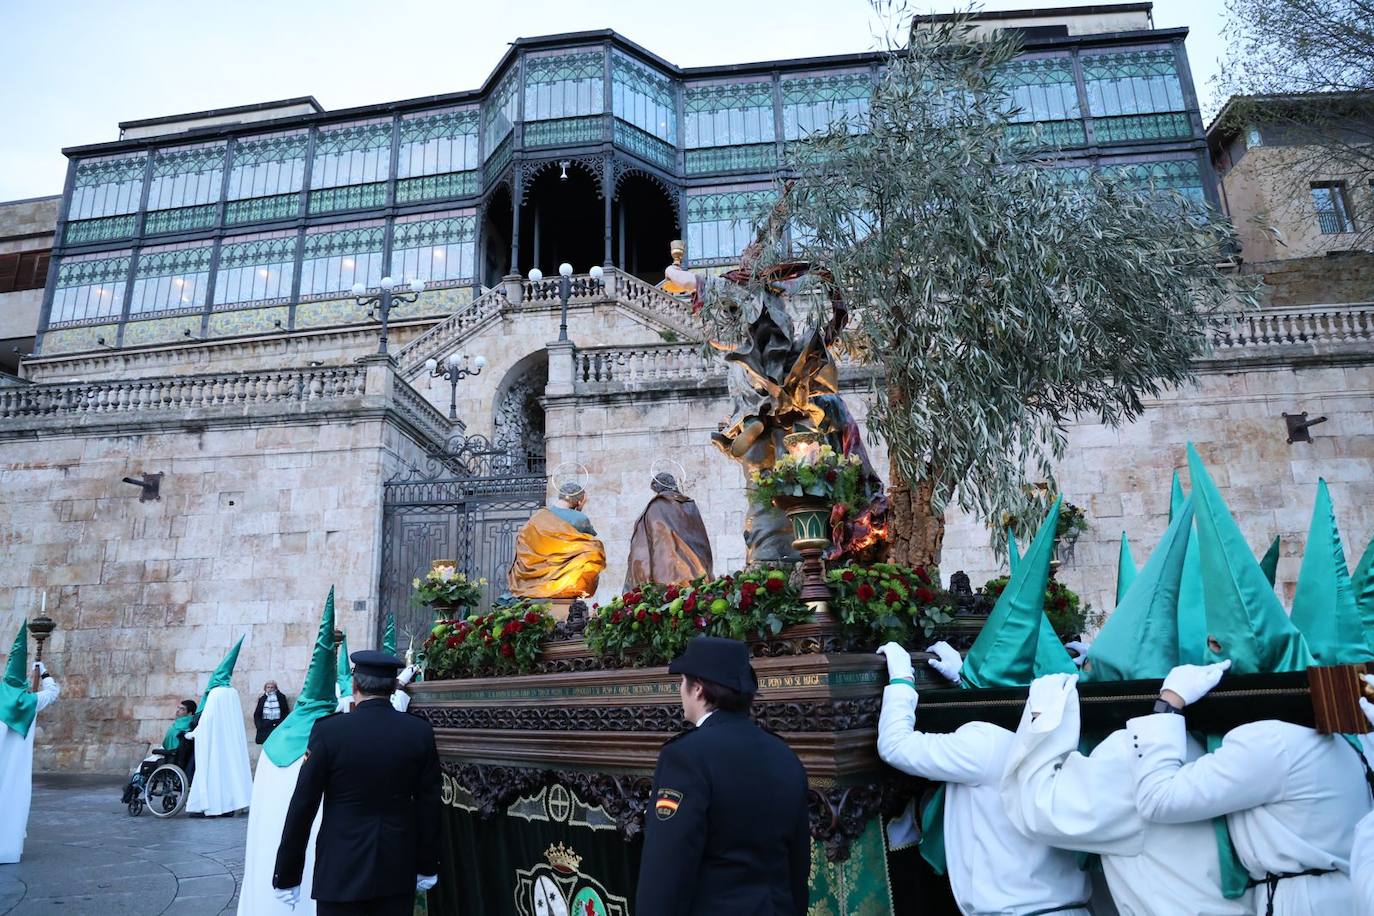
517	407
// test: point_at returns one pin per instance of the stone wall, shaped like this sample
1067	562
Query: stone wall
1320	280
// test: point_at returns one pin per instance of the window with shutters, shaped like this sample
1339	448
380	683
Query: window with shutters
1333	209
23	270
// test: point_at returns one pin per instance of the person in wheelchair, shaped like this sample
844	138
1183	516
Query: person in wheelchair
176	748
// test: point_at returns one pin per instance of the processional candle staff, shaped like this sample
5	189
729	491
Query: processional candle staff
41	627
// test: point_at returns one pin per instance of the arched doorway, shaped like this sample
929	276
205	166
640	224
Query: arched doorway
644	222
518	412
562	220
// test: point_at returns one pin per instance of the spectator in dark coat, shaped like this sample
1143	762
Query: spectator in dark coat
272	708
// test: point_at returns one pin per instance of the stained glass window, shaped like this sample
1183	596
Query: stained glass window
265	177
185	187
498	113
1135	95
1181	175
438	156
1041	91
338	257
643	98
729	127
168	279
811	104
355	159
256	268
720	225
107	186
433	249
567	85
90	286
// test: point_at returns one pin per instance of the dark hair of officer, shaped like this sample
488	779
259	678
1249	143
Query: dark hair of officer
372	685
718	696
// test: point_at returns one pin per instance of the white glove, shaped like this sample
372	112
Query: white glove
41	668
1192	682
949	662
425	882
1365	706
898	661
1078	651
1046	700
290	896
406	676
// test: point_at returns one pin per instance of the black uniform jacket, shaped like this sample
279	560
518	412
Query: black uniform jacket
727	828
378	773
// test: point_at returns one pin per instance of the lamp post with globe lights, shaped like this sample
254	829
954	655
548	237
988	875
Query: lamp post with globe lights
389	297
455	367
565	285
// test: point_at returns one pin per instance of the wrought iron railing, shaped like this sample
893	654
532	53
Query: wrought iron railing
1334	222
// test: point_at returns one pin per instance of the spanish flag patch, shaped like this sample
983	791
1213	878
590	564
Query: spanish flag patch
665	806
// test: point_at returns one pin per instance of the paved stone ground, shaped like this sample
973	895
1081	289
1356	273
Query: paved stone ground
85	855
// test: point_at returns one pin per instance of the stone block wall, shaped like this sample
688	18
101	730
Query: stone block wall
1319	280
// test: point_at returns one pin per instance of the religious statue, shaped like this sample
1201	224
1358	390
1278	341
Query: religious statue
557	553
669	544
779	383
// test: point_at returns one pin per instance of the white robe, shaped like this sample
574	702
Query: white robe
1362	866
993	869
1292	799
16	779
272	789
223	780
1056	795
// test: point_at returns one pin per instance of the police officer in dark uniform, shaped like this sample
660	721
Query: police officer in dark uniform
378	772
727	830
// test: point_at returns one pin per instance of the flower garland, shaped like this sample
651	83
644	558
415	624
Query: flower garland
505	641
822	473
444	587
652	624
885	601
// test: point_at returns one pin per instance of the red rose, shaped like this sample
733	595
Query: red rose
831	476
892	597
774	585
921	573
453	642
746	602
656	617
729	581
532	618
925	595
847	575
865	592
617	617
700	622
690	604
672	593
507	650
640	614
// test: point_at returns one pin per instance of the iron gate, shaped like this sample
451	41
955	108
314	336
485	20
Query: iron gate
466	504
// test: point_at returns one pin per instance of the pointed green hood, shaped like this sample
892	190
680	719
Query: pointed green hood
288	740
1017	643
389	634
1192	615
1324	604
1243	613
344	677
1125	569
1140	638
223	675
1013	558
1362	587
1269	563
18	705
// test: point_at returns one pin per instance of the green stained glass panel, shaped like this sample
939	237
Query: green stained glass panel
436	187
643	144
170	263
349	197
564	131
1143	127
98	230
1049	133
85	273
439	127
757	157
722	98
278	206
731	205
344	242
559	67
435	232
258	251
180	219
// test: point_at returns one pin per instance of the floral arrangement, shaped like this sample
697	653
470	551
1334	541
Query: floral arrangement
885	601
505	641
445	588
1063	607
1072	522
652	624
820	472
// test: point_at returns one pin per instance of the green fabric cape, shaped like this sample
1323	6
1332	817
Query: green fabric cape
1362	587
1013	558
1125	569
1140	638
1016	645
1270	561
344	677
389	634
287	742
1324	608
18	704
223	675
172	739
1192	614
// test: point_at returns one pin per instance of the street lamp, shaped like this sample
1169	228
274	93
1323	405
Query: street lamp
387	299
565	272
456	366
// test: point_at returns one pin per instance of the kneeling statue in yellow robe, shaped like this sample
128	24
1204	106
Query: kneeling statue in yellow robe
557	553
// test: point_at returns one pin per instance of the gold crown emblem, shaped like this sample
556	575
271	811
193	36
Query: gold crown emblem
562	858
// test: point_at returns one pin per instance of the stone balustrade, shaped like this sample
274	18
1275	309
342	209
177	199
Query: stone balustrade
1313	326
628	367
447	334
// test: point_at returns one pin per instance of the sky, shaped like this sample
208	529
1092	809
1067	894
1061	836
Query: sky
71	71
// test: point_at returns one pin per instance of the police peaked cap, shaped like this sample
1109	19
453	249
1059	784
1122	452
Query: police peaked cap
372	663
712	658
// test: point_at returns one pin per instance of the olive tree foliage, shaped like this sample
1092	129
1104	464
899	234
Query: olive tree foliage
998	298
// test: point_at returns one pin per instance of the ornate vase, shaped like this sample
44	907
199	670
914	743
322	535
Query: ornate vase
810	518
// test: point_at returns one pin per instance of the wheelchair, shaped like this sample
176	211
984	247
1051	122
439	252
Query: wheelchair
162	782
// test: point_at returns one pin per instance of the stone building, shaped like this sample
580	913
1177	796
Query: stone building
198	336
26	235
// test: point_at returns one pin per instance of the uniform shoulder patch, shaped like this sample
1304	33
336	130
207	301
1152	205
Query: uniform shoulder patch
666	802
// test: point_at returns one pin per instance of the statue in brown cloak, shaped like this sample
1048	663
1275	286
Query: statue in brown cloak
670	544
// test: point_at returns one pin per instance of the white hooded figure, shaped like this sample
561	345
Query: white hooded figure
275	781
223	780
19	709
343	682
1086	803
993	868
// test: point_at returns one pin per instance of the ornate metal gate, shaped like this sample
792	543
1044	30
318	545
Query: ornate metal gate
466	504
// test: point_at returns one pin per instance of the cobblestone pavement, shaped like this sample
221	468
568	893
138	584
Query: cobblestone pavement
85	855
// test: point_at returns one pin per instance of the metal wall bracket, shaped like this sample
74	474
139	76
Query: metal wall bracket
1298	425
150	484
